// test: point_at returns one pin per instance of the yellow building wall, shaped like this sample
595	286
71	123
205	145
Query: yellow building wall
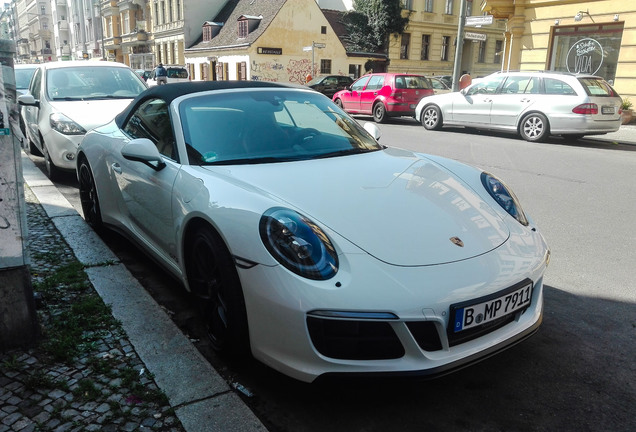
540	17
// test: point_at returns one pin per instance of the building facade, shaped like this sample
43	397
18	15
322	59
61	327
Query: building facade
597	37
428	44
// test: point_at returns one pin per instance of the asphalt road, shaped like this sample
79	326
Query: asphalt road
576	374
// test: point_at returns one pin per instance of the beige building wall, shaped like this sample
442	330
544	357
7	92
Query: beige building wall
533	24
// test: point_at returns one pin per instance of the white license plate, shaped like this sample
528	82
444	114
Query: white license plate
607	110
467	316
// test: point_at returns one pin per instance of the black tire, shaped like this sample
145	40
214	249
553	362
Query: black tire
432	117
33	149
88	196
573	137
379	113
338	102
534	128
52	171
213	278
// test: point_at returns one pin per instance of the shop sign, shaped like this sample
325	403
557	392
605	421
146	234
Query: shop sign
585	57
270	51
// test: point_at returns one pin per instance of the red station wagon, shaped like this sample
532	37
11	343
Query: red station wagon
384	95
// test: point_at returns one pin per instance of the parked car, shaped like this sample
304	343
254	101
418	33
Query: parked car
144	74
330	84
439	86
534	105
23	73
448	80
384	95
395	262
66	99
175	74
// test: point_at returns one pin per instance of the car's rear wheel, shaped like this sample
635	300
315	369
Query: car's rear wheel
432	118
379	113
213	278
88	196
338	102
534	127
52	171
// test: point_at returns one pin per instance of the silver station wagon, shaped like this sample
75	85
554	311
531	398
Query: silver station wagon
533	104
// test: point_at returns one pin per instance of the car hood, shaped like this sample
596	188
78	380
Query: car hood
92	113
403	210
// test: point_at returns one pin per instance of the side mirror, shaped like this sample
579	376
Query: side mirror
28	100
143	150
373	129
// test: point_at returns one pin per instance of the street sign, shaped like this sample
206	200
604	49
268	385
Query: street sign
478	20
309	48
319	45
475	36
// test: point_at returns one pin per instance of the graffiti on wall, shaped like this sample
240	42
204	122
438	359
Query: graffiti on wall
267	71
297	70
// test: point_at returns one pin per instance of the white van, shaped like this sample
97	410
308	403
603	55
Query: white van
175	74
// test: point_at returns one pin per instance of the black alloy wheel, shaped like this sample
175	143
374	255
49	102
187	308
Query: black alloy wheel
379	113
213	278
88	196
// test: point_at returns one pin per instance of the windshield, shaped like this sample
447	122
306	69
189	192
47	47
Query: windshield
93	82
266	125
23	78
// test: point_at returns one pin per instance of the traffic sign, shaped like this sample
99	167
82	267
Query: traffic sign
475	36
478	20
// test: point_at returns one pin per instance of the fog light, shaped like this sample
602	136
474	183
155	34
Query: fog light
69	156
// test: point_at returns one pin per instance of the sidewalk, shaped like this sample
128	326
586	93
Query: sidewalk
121	367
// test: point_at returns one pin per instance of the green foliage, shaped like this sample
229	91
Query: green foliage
627	104
371	22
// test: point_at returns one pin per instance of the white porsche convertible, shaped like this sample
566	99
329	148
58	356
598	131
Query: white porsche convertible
313	247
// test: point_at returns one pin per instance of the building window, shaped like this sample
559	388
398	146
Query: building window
170	13
355	71
448	10
406	4
243	29
323	29
469	7
163	13
481	57
404	47
42	9
498	51
445	47
207	33
156	13
126	23
325	66
428	6
426	42
242	71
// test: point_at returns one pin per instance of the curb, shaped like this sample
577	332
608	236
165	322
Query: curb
201	398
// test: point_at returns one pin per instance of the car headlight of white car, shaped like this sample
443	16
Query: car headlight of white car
298	244
504	197
65	125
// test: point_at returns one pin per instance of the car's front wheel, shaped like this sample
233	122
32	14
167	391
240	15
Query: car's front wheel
534	127
213	278
379	113
52	171
432	117
338	102
88	196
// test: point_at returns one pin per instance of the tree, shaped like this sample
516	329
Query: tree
371	22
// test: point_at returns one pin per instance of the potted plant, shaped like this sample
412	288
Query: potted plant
627	114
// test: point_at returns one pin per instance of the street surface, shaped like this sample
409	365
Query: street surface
576	374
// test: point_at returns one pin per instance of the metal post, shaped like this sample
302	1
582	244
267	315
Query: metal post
313	62
460	45
18	322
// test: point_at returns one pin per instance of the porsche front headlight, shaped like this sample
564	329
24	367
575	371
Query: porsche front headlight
298	244
504	197
65	125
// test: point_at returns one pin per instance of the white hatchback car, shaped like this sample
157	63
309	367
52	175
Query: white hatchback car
175	74
67	99
533	104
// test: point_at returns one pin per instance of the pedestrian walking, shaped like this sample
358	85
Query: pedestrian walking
161	75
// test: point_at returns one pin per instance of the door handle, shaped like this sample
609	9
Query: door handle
116	167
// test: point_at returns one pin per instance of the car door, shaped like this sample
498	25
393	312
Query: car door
474	107
31	112
369	94
351	99
514	97
146	192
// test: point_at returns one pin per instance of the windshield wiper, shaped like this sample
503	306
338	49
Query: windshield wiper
344	152
255	160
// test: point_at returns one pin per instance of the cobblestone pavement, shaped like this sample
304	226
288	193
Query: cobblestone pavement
83	375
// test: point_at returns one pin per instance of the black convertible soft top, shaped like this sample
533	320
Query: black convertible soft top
169	92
